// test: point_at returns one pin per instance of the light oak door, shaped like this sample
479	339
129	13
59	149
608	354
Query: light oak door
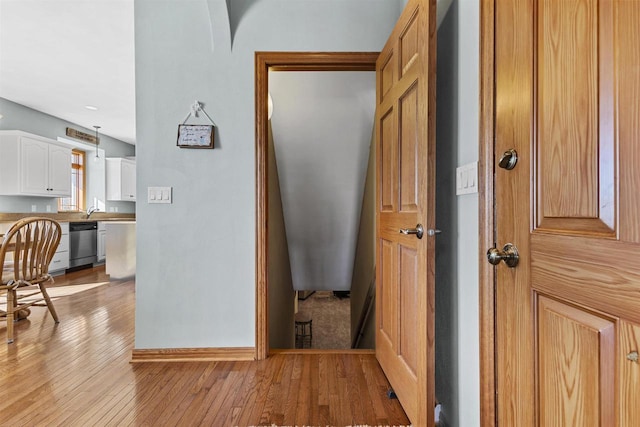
405	179
568	315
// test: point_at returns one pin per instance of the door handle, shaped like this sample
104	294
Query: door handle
509	254
418	231
508	159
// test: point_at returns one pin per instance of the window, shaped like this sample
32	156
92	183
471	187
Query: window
77	200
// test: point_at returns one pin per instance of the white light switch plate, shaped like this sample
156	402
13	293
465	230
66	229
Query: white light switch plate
159	195
467	178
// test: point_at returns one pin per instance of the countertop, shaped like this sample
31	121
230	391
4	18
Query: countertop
71	216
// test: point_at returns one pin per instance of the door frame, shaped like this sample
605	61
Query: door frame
283	61
488	403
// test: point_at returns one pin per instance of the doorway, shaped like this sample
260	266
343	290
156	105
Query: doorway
322	126
283	61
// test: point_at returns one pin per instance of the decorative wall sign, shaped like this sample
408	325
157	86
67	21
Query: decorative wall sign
87	137
195	136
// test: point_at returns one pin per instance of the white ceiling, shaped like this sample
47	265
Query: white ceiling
56	56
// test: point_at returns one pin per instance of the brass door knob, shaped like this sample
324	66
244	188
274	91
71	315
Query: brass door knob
509	159
509	254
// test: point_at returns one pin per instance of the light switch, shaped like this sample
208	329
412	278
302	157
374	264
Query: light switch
467	178
159	195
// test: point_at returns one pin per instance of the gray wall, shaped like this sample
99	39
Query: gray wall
205	241
365	259
457	252
467	251
447	220
19	117
281	293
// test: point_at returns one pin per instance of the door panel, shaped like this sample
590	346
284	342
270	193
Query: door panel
388	164
409	150
409	42
389	296
567	78
629	375
409	297
576	352
387	76
627	16
405	141
570	38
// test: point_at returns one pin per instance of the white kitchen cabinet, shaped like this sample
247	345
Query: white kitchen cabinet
31	165
121	179
102	242
60	260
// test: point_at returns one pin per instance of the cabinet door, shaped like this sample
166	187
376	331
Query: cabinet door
34	166
59	171
128	181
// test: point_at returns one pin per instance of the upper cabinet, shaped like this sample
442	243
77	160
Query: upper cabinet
31	165
121	179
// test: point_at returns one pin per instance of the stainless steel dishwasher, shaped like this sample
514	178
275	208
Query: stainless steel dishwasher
83	243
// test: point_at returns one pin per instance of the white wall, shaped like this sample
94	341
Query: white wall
196	257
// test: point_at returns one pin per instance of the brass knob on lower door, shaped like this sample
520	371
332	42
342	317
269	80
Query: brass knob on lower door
509	254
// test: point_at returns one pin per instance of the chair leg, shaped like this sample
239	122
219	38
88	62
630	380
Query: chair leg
11	302
52	310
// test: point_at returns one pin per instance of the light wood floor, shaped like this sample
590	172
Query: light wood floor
77	373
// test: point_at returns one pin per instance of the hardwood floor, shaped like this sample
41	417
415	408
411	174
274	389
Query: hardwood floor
77	373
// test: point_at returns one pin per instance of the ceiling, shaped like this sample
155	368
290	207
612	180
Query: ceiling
57	56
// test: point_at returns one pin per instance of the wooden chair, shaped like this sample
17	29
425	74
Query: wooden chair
25	254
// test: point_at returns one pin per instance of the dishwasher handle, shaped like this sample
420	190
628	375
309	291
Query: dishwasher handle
82	226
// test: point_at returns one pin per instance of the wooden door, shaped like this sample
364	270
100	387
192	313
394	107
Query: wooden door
568	315
405	179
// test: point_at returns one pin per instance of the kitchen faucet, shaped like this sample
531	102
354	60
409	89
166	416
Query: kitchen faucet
91	210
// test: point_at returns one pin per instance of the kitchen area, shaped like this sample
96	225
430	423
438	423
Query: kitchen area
38	177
